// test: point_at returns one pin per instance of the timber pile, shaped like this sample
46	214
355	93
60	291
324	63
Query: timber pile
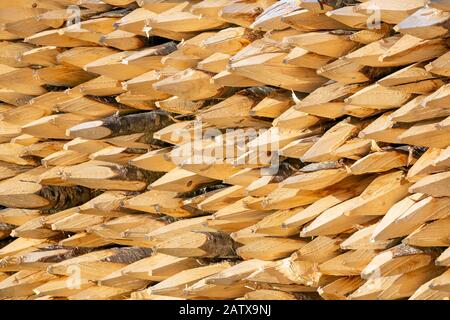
104	196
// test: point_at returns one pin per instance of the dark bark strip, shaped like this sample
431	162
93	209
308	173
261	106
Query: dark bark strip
287	168
164	49
129	255
257	93
337	3
148	123
403	250
69	253
62	197
219	245
376	73
203	189
130	173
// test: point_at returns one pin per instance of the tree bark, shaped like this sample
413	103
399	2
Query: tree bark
62	197
147	123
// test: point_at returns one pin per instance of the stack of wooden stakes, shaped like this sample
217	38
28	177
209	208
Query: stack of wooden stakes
115	119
